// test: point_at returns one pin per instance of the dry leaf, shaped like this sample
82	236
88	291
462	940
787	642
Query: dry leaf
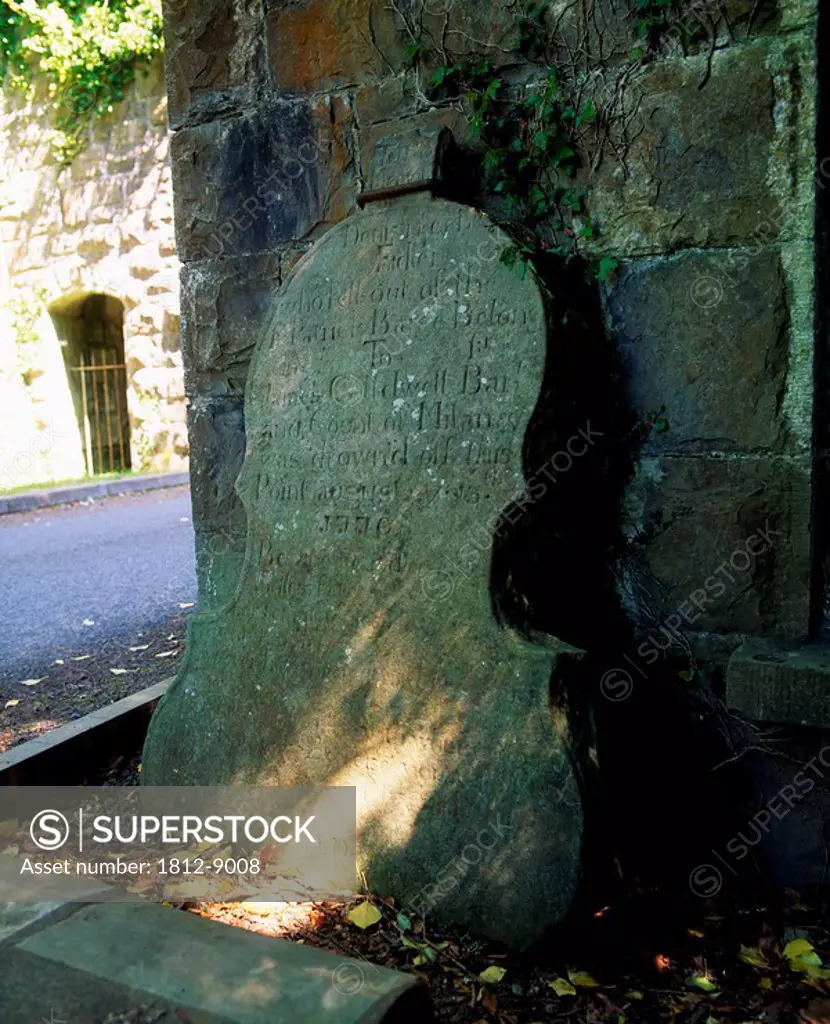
32	682
364	915
187	604
754	957
167	654
140	647
82	657
493	975
122	671
89	622
12	703
562	987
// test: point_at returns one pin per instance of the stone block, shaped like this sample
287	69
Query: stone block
408	152
699	170
386	100
92	202
252	183
716	544
706	336
217	445
225	303
324	45
771	682
212	56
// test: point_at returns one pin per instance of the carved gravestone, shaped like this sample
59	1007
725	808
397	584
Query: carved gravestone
386	411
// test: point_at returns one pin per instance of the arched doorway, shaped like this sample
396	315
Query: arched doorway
91	330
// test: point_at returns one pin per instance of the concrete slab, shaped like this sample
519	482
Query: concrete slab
105	958
789	685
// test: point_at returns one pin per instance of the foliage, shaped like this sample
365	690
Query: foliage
20	312
546	121
89	51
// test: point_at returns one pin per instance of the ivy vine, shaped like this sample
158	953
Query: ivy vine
88	51
544	120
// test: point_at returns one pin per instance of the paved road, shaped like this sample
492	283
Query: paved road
123	564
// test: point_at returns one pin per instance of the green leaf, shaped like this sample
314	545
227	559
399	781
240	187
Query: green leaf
404	923
703	982
607	266
587	114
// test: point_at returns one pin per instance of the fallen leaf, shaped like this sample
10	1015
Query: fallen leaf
59	661
493	975
141	647
364	915
801	955
695	933
562	987
167	654
122	671
583	979
187	604
703	982
82	657
89	622
12	703
32	682
754	957
9	828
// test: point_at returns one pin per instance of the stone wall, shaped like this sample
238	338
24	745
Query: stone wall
275	107
101	227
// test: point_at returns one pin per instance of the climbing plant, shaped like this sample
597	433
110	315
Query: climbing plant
566	100
88	51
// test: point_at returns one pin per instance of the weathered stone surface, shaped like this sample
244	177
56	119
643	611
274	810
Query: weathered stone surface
386	100
217	438
386	413
773	683
213	51
253	183
410	152
225	303
322	45
717	544
705	335
698	170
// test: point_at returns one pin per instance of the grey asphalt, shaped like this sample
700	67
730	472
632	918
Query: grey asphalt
123	564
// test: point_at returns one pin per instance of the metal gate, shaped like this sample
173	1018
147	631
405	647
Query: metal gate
106	422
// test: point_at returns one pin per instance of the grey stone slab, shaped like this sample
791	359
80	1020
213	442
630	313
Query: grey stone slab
387	409
772	682
234	975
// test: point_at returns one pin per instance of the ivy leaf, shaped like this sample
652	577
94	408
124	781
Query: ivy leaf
493	975
412	52
404	923
607	266
587	114
562	987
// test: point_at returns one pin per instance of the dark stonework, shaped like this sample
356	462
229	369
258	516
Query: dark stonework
387	407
